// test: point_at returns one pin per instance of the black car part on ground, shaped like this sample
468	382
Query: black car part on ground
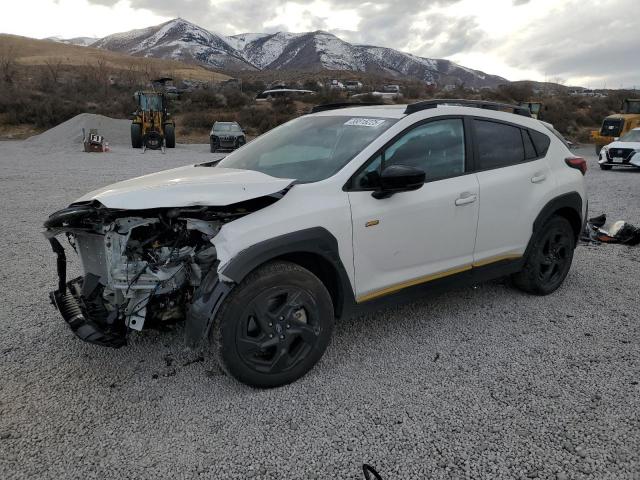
370	473
616	232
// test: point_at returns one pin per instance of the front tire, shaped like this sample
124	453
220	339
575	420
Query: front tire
598	148
136	135
170	136
274	326
605	167
549	258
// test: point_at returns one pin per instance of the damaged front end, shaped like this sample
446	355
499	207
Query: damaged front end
141	268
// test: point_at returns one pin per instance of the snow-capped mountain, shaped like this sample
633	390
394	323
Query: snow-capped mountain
182	40
81	41
178	40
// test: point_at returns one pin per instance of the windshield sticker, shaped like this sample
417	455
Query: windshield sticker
364	122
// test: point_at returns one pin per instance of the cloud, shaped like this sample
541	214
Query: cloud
593	44
580	40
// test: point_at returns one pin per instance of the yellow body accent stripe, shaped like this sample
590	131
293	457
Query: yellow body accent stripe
435	276
499	258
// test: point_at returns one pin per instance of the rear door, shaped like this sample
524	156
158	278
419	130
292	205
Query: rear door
515	181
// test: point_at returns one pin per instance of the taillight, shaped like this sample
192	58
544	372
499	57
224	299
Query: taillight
577	162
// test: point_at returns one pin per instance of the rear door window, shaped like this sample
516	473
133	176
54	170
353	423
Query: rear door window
499	145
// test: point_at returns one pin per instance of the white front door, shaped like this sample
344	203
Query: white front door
416	236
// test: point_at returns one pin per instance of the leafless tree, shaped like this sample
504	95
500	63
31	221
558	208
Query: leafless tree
8	63
54	68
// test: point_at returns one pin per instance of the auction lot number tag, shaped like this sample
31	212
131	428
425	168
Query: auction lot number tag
364	122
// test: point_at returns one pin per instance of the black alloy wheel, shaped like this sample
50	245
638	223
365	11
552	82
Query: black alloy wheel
554	257
549	258
274	326
278	329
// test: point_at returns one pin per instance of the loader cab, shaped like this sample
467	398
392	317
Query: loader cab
534	107
150	101
631	106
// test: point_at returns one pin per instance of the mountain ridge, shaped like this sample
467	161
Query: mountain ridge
179	39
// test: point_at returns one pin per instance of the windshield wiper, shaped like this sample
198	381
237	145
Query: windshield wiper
212	163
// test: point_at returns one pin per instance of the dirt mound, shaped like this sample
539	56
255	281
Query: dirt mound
69	133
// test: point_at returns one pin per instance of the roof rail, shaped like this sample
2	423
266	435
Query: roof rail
336	106
434	103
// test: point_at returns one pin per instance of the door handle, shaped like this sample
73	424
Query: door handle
539	177
465	198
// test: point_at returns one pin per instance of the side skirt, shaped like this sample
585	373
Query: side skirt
465	278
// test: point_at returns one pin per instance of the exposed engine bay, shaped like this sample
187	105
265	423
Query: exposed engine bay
141	268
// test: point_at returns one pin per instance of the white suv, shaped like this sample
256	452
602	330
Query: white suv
330	213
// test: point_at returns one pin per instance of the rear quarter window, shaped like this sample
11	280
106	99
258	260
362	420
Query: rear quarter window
529	150
541	142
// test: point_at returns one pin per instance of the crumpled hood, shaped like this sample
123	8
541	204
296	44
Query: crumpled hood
187	186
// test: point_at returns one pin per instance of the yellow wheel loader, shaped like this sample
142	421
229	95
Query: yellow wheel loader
534	107
152	126
614	126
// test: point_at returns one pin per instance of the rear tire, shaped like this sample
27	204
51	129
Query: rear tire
549	258
170	136
136	135
605	167
274	326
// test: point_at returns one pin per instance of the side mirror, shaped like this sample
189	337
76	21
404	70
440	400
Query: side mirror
399	178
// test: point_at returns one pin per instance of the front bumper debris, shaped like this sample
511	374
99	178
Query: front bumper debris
70	307
69	302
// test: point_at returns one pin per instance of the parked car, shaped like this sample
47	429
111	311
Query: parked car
283	92
391	88
226	136
353	85
624	152
261	252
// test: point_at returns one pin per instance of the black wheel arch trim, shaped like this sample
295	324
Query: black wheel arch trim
212	292
571	201
315	241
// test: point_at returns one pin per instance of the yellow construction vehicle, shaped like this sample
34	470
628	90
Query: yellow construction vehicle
615	126
152	126
534	107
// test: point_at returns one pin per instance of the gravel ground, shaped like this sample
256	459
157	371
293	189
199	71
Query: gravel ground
482	382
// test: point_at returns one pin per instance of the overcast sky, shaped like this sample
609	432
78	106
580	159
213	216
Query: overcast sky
593	43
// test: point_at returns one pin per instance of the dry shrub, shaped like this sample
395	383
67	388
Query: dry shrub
198	119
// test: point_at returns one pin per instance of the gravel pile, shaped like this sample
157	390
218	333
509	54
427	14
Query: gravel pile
482	382
116	131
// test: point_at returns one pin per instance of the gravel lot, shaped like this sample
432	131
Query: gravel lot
482	382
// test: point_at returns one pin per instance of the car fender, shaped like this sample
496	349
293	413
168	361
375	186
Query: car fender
217	285
571	200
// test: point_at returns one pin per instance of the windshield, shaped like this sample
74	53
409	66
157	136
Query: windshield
309	148
632	136
150	102
226	127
